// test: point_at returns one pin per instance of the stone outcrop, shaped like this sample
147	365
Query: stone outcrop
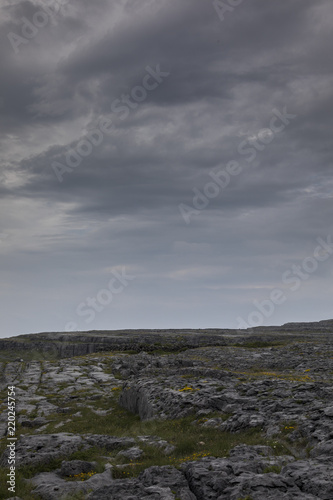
273	381
54	345
52	486
243	475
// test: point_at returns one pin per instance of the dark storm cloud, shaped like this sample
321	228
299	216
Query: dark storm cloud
224	83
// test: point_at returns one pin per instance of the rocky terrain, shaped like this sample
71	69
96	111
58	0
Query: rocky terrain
176	414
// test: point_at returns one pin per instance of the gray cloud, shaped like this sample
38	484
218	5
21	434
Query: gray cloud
120	206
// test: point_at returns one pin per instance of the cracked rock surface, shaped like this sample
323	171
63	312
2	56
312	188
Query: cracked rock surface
151	422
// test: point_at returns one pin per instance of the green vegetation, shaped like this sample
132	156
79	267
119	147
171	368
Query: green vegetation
191	442
273	468
27	355
76	496
288	427
23	489
259	344
257	373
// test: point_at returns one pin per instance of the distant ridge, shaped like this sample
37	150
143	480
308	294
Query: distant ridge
54	345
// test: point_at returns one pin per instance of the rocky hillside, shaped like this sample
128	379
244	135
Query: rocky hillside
161	415
64	345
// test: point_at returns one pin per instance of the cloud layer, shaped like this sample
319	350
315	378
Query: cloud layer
149	100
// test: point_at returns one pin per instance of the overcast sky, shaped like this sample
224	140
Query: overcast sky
165	163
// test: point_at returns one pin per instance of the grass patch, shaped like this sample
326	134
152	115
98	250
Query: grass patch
256	373
79	495
24	489
272	468
260	344
26	355
191	441
288	427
